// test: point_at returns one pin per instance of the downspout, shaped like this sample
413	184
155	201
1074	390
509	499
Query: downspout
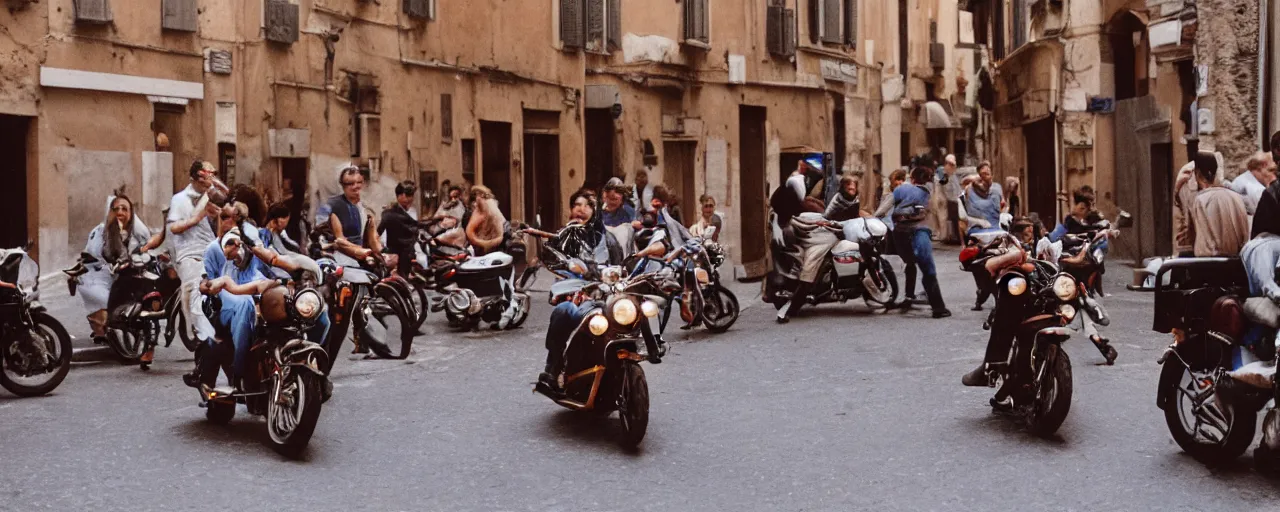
1263	28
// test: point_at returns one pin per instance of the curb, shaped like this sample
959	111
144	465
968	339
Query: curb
92	354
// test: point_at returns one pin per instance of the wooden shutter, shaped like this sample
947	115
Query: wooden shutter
851	22
696	22
789	39
831	21
571	18
446	117
773	29
179	15
417	8
93	11
615	25
815	20
595	25
282	21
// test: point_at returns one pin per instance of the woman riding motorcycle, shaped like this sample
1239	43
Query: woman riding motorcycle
118	236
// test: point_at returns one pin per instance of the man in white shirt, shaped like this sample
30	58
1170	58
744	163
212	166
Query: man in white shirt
189	221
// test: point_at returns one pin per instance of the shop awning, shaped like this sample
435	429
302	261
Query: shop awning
935	116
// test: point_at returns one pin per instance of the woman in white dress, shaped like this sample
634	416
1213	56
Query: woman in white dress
119	235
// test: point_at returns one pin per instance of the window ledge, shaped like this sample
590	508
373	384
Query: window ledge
696	44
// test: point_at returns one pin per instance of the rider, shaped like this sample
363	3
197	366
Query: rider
350	221
595	243
845	204
189	213
401	227
982	203
811	241
119	235
486	230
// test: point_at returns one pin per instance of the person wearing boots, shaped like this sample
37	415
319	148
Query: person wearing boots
813	240
914	239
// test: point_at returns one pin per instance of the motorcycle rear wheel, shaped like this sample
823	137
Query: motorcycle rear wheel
633	405
1053	398
1241	423
56	340
890	281
293	412
421	304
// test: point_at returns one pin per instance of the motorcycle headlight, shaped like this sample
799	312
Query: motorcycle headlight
308	304
1067	311
649	309
1064	286
1017	286
624	312
702	275
598	324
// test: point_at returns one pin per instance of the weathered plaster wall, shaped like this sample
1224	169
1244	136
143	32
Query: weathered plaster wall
1227	41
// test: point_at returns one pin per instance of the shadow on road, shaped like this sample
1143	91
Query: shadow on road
245	433
589	429
1015	427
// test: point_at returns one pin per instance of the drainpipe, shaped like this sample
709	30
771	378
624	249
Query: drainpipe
1263	106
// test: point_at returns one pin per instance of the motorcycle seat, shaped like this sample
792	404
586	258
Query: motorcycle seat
486	262
1261	311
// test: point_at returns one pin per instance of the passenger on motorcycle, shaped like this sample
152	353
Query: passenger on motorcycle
122	233
982	203
401	228
811	241
913	238
350	222
487	228
188	221
845	204
1260	257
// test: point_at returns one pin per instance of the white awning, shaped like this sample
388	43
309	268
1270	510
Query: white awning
935	117
111	82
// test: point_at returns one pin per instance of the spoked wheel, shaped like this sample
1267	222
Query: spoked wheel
719	308
293	411
37	364
1053	394
392	322
127	344
1208	429
421	306
633	405
881	286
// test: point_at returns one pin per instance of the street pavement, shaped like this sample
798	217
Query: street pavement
842	409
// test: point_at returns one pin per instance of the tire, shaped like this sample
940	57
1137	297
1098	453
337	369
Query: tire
1243	422
886	274
421	306
525	304
401	311
633	405
219	413
53	333
1051	409
302	424
722	303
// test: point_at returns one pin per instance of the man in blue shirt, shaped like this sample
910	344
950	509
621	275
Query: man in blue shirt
914	240
351	223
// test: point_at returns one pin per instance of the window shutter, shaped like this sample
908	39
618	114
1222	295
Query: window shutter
595	25
93	11
417	8
815	20
831	21
179	15
773	29
446	117
695	21
789	39
851	22
571	33
615	25
282	21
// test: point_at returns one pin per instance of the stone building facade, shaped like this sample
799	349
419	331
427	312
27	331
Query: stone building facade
533	99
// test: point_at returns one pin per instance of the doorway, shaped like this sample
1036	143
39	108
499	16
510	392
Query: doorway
542	180
293	189
679	176
167	119
1161	204
1042	169
495	162
600	152
752	188
13	170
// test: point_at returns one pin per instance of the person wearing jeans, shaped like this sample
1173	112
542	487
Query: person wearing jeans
914	239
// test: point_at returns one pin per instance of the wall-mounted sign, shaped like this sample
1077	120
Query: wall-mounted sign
838	71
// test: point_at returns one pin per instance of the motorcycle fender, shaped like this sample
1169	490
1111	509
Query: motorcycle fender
296	352
1055	335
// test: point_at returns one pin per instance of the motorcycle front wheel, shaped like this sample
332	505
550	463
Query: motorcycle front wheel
719	308
1209	431
1053	394
54	346
884	289
633	405
421	306
294	411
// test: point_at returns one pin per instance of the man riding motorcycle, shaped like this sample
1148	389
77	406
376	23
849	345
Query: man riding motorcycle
807	242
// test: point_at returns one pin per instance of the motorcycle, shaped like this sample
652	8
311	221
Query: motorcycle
286	376
142	294
855	267
483	288
35	349
1210	414
379	307
174	315
602	361
1035	305
703	300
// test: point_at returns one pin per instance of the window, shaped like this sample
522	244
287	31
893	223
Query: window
281	21
593	25
93	11
425	9
833	21
780	33
180	15
697	24
446	118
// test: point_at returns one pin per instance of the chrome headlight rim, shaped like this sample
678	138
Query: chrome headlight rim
624	311
1067	312
1065	287
598	324
650	309
307	304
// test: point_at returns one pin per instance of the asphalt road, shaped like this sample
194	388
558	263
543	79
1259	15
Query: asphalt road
840	410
